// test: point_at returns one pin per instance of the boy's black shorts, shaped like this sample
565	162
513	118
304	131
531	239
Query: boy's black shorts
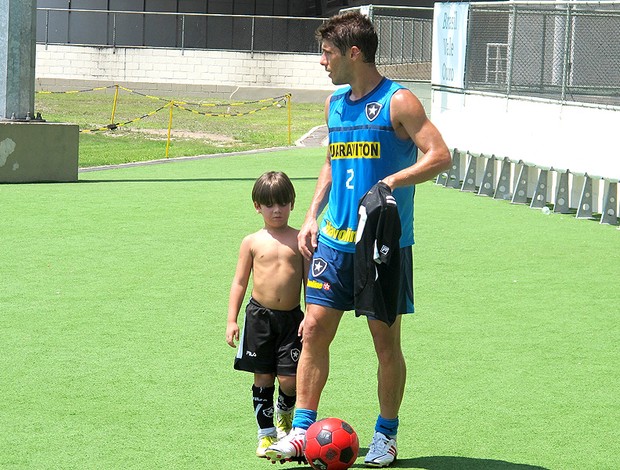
269	341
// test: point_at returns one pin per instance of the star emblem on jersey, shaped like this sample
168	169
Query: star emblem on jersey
372	110
318	266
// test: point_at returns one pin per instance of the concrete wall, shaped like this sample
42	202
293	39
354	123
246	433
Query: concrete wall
38	152
217	73
563	140
214	74
563	136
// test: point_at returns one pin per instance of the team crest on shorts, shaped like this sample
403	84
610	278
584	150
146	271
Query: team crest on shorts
319	265
372	110
295	354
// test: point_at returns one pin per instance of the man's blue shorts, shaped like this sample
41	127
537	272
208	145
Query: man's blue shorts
330	280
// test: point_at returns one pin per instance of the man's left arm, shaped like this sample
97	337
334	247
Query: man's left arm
409	120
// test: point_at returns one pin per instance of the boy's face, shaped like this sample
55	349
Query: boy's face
275	215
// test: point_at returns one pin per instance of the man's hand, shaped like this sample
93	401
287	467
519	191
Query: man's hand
300	330
307	237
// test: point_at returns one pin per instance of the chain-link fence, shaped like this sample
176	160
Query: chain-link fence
561	51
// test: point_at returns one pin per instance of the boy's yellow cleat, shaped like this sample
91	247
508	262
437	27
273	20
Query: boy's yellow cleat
263	444
284	422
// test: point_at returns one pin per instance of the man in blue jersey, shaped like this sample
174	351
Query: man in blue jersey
376	127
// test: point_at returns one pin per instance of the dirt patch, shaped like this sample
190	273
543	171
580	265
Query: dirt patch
184	134
162	134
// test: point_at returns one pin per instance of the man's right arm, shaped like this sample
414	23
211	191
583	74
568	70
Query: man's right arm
308	233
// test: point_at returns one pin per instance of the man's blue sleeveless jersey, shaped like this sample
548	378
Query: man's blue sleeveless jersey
364	149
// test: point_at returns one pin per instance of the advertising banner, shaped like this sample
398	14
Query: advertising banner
449	44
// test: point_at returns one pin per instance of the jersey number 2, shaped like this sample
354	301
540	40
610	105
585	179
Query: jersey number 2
351	174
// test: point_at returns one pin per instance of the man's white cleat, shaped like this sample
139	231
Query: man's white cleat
382	451
290	447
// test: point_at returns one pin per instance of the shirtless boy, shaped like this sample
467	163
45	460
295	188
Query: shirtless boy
271	340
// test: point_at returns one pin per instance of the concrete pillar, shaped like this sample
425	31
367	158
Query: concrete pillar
30	151
18	22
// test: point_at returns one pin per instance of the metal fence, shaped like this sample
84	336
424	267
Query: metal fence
560	51
405	40
253	33
405	33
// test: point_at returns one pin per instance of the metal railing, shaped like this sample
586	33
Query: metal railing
253	33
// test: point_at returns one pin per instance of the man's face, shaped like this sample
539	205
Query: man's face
335	63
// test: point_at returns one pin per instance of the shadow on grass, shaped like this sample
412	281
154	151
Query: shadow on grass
461	463
183	180
445	463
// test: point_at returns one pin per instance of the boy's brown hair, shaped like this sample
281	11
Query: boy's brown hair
273	187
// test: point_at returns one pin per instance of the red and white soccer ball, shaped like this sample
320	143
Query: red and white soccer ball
331	444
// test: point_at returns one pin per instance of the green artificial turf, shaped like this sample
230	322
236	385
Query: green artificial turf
113	310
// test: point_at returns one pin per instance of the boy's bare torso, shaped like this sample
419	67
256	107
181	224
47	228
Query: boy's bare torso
277	268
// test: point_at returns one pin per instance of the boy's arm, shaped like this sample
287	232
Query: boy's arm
237	290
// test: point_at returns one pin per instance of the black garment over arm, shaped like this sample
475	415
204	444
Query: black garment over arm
377	255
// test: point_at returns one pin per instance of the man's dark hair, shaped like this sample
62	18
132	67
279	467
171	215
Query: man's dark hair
273	187
350	29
